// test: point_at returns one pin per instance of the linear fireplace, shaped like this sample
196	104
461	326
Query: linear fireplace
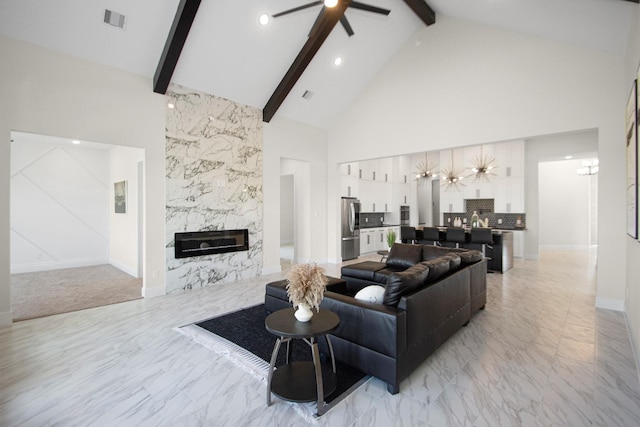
210	242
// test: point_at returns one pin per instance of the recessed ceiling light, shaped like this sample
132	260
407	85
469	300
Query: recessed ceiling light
171	105
264	19
330	3
338	61
568	157
75	141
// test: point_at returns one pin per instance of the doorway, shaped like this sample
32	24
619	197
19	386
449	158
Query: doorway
568	212
69	249
287	219
297	200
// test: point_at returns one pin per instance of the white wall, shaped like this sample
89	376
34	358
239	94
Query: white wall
55	94
469	84
632	300
287	139
563	204
59	196
123	228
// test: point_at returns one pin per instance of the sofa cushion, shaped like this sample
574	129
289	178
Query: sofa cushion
454	261
373	294
362	270
381	276
404	282
430	252
438	268
467	256
404	255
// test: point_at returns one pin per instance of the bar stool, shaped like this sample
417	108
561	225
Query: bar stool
431	234
483	236
407	234
455	235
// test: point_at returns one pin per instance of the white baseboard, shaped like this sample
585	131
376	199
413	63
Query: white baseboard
531	256
271	270
6	318
57	265
156	291
334	260
564	247
610	304
127	269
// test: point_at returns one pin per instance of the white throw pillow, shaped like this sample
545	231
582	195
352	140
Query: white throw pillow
373	293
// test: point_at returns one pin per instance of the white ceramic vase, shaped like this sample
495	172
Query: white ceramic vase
303	313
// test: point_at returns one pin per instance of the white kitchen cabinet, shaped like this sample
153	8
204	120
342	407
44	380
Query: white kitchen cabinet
451	201
384	172
350	169
515	194
349	186
518	243
367	241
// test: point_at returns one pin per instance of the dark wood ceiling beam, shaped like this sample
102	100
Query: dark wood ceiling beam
176	39
328	20
422	9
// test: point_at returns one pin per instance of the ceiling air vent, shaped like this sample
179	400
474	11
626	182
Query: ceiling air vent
307	94
113	18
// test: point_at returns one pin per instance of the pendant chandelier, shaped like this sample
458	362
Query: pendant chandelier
426	170
451	177
482	167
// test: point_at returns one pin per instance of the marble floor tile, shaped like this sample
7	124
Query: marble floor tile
540	354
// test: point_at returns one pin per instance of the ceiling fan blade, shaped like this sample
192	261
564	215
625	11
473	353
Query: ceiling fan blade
369	8
296	9
345	24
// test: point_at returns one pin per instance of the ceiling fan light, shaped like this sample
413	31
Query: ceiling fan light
330	3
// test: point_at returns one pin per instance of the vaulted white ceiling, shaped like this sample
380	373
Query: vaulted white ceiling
230	55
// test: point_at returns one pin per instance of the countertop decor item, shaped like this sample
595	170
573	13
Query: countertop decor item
305	288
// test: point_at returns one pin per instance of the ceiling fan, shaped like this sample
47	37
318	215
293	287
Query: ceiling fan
343	19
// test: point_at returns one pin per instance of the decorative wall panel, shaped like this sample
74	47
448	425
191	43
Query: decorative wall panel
214	182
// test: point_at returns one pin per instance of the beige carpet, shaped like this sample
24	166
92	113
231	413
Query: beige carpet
60	291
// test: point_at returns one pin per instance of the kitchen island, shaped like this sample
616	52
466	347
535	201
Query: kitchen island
500	252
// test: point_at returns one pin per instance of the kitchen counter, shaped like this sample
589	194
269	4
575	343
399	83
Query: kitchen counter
500	253
364	226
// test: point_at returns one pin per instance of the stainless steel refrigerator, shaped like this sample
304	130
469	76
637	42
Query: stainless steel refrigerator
350	228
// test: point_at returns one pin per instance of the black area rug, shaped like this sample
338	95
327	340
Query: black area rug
246	329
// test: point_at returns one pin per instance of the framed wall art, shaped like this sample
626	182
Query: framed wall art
120	196
632	162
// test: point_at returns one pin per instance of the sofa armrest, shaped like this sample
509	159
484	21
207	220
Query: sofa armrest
374	326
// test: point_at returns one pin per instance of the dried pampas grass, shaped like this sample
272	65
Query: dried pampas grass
306	285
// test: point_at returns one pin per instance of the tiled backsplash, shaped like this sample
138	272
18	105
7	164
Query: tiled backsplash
370	219
508	221
482	206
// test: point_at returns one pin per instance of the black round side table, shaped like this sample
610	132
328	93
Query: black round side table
303	381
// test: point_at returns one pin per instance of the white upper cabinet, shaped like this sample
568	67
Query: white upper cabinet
350	169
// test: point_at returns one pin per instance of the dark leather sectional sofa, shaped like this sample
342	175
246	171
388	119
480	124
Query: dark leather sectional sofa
430	293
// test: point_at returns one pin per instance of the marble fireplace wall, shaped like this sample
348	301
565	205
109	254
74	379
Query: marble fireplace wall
214	182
